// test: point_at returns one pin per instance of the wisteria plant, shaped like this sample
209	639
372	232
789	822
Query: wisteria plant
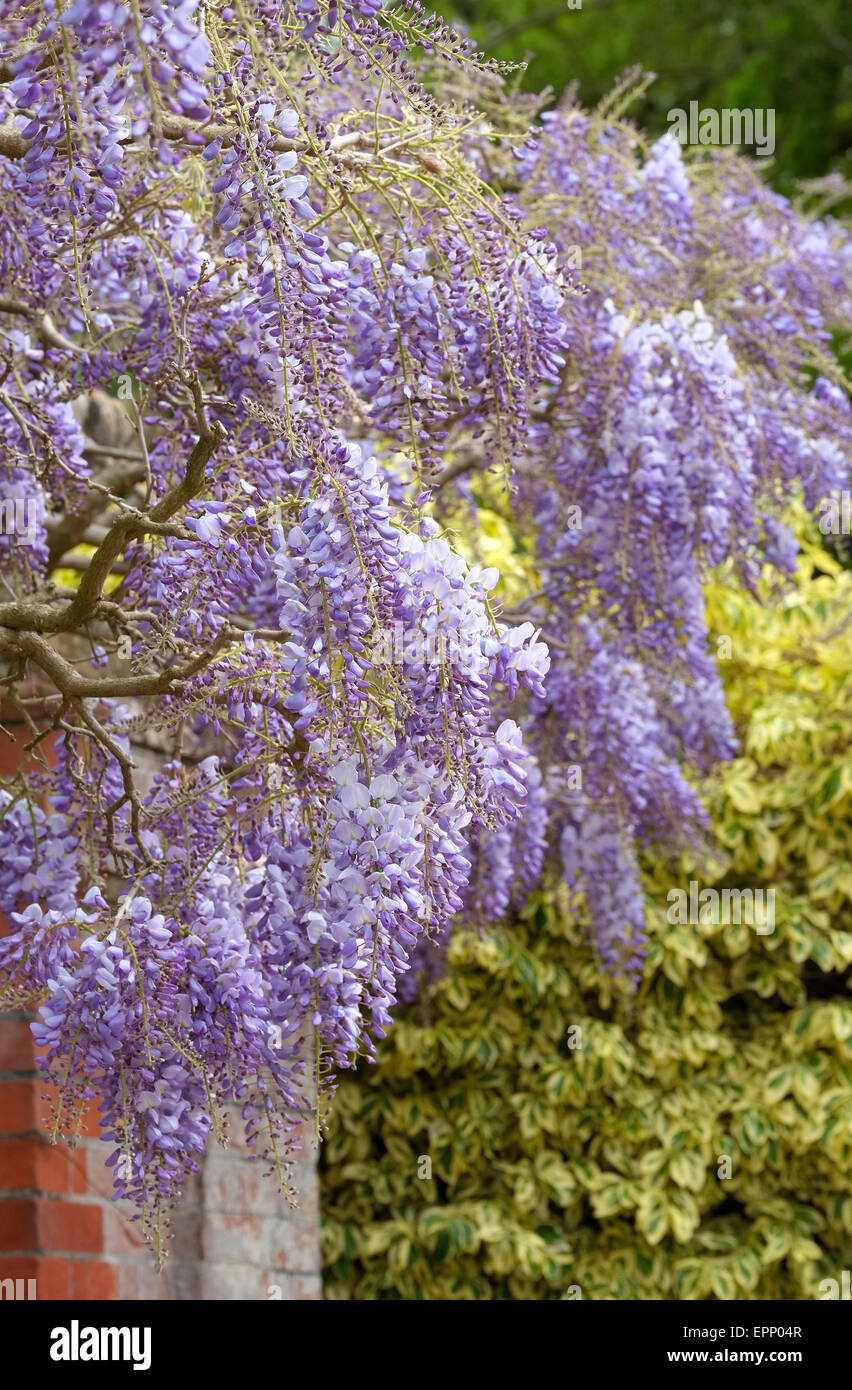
288	291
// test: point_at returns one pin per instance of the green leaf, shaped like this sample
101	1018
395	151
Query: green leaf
687	1169
722	1284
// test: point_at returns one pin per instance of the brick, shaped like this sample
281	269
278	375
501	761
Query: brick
18	1224
234	1185
16	1045
18	1165
121	1236
128	1281
15	1286
31	1164
19	1107
233	1236
293	1242
53	1279
237	1185
50	1225
18	1266
15	735
232	1281
94	1279
52	1276
70	1226
288	1242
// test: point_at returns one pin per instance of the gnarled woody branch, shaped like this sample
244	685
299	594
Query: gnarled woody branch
25	623
45	327
39	616
69	682
66	531
12	142
14	146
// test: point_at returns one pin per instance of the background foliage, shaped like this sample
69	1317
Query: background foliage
795	57
558	1169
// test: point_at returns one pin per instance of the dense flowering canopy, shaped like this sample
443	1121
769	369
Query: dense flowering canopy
318	286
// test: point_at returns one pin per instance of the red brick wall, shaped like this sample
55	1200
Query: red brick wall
234	1236
50	1228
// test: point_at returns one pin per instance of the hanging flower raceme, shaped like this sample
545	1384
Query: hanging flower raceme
270	301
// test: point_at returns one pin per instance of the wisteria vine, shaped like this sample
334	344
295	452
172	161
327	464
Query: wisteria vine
276	303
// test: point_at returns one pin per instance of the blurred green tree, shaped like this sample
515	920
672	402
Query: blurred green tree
794	57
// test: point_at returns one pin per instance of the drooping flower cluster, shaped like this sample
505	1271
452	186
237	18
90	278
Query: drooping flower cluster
699	394
197	213
270	301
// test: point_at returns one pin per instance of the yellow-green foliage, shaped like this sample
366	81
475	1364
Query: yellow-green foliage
599	1171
